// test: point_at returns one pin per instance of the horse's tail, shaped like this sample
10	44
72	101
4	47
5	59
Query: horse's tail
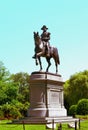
57	55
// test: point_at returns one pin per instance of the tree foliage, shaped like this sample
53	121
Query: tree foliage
22	81
14	93
76	88
4	73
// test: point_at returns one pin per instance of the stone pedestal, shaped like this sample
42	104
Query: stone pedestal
46	95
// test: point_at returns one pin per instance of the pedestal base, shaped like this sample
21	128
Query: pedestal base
57	112
37	112
50	112
46	95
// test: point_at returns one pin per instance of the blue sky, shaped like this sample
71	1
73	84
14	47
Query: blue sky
67	21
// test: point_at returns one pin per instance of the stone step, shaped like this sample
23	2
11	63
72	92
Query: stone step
45	120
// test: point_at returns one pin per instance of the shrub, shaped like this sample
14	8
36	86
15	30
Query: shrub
73	110
82	107
1	114
15	114
6	109
11	111
82	117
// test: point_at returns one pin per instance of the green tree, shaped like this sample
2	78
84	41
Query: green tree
76	88
4	73
14	93
11	90
22	81
4	80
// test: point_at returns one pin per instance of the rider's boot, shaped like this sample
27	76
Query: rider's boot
34	56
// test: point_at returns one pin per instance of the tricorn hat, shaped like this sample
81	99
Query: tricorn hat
44	27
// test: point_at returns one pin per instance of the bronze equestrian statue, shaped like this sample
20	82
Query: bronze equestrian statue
43	49
45	37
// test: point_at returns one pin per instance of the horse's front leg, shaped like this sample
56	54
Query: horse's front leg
40	63
36	59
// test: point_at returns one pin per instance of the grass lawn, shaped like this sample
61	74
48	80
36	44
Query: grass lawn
4	126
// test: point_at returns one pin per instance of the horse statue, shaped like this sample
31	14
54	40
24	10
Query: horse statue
40	51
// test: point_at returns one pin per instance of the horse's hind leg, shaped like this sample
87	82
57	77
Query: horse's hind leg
49	64
56	68
56	64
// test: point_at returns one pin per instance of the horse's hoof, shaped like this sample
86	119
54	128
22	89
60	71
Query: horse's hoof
46	70
56	72
40	70
36	63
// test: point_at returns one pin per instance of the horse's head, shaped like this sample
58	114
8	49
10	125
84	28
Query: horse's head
37	38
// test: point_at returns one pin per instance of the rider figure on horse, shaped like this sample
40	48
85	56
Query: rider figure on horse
45	37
